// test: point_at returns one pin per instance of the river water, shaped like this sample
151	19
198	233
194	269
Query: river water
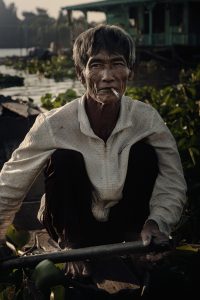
13	52
36	86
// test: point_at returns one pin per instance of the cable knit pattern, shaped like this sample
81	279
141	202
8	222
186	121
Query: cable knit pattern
106	163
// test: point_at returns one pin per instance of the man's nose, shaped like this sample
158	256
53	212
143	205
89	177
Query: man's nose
107	74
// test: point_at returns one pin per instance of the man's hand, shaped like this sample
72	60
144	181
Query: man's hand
151	234
77	269
74	269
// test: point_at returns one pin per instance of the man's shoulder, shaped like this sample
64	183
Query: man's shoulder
134	105
67	111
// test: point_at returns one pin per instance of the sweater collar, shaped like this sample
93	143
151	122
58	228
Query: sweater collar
123	121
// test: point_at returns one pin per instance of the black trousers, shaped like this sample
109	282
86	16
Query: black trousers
68	199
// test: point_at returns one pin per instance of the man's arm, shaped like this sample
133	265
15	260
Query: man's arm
169	194
19	173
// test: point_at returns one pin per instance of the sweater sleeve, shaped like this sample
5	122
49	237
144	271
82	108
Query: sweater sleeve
20	172
169	194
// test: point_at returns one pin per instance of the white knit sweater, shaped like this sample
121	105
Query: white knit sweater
68	127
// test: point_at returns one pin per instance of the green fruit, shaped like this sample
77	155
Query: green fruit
46	275
17	237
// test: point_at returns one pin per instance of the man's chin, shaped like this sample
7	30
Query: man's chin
106	99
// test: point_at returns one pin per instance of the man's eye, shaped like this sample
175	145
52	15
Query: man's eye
95	65
119	63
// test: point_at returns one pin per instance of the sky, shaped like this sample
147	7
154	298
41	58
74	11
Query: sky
52	6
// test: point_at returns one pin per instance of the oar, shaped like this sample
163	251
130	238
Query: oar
76	254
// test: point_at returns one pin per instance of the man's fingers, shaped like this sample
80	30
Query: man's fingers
155	257
146	238
77	269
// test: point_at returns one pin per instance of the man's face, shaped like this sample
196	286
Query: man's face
105	77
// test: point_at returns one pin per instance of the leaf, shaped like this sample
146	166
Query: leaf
57	293
192	155
188	247
177	110
18	238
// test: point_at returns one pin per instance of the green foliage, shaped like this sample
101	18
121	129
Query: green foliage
58	67
9	26
49	102
179	106
36	28
17	237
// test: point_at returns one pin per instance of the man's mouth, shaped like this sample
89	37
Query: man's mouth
107	90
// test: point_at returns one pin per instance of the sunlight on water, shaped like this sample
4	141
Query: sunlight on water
36	86
13	52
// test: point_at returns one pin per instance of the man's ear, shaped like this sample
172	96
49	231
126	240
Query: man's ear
80	75
131	75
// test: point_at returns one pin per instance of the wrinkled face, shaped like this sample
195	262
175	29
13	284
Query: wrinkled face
105	77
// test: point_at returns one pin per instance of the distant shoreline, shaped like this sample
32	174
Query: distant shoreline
5	52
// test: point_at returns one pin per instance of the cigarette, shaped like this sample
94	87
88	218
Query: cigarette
115	92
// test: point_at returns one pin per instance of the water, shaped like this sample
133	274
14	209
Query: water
13	52
36	86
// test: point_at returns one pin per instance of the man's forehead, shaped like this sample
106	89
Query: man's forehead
102	54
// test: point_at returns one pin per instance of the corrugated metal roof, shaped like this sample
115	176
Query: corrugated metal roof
101	5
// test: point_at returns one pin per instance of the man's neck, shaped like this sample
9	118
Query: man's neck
102	117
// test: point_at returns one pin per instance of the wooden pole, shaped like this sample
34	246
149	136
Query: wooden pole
76	254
